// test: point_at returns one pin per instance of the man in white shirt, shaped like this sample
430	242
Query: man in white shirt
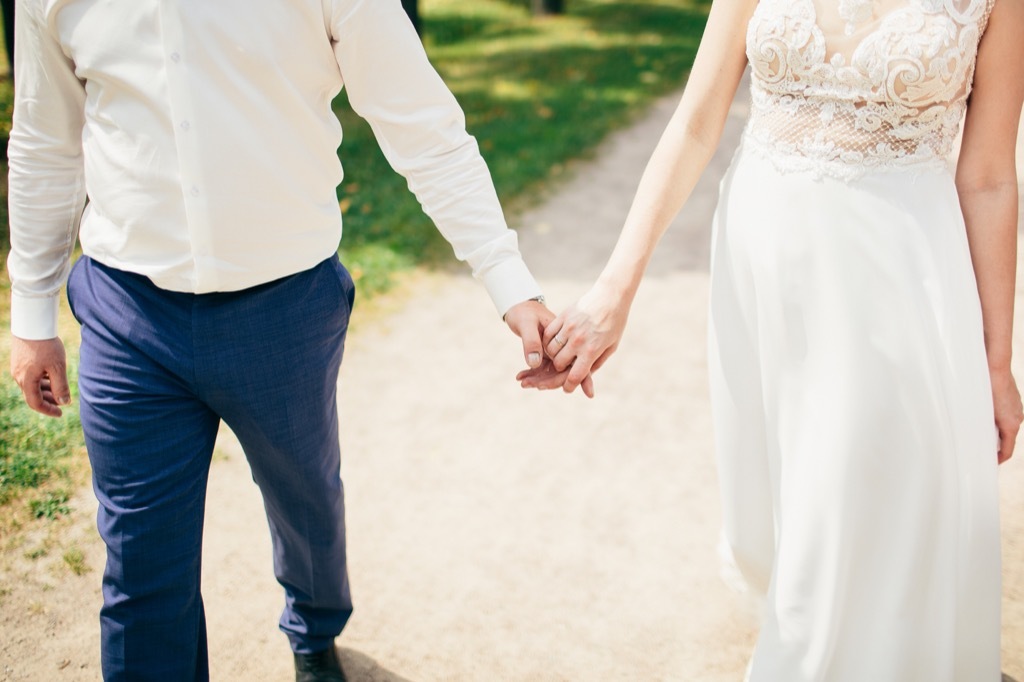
202	135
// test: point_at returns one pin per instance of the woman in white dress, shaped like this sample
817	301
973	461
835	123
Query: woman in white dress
861	313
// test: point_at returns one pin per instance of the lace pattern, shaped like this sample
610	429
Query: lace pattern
842	100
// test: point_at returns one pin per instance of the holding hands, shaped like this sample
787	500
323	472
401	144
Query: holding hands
529	321
579	341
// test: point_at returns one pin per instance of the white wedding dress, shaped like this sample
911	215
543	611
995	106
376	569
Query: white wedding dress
853	411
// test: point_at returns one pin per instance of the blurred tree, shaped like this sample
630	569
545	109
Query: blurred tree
8	9
412	8
548	6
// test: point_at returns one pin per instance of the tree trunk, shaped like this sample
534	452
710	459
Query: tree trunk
548	6
412	8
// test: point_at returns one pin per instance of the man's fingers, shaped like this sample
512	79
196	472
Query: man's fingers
527	320
33	393
533	351
47	391
543	372
546	381
40	368
58	379
35	398
546	378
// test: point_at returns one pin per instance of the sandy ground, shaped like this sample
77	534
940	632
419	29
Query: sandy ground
494	534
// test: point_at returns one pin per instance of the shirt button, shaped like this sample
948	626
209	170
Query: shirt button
185	125
175	57
194	191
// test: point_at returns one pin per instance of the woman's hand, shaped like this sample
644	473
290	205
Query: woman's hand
1008	409
580	340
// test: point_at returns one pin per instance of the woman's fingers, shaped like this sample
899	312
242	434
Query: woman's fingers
1008	438
604	358
558	350
577	343
553	328
588	386
1009	412
579	371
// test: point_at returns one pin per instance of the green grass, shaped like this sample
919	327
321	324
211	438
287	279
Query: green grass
74	559
537	93
33	450
51	506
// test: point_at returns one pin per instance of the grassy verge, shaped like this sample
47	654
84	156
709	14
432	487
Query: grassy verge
537	93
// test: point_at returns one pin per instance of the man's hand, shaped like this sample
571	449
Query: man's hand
528	320
41	370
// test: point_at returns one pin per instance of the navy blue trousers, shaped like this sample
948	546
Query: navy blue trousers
158	372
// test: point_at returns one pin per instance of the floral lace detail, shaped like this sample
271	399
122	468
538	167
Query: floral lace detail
856	12
894	101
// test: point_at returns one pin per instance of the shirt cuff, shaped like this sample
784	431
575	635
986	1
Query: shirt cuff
33	318
509	283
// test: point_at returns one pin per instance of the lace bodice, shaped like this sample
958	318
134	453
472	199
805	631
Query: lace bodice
844	87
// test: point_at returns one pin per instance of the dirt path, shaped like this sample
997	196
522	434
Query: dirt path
494	534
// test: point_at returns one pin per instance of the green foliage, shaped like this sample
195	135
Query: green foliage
32	449
75	561
52	505
537	93
6	112
372	265
37	552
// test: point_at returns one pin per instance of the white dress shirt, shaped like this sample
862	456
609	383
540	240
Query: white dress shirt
201	132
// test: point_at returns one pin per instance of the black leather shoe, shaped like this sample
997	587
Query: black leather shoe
322	666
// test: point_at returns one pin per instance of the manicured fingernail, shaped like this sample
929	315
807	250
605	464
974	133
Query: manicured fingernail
533	359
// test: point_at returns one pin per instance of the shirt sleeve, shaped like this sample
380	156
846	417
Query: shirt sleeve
422	131
46	187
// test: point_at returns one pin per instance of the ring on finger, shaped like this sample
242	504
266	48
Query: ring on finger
558	340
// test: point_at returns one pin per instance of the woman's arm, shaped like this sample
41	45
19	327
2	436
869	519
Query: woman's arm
586	334
986	179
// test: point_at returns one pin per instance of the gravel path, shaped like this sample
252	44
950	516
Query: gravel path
494	534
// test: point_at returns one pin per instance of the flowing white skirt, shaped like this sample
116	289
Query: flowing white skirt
854	426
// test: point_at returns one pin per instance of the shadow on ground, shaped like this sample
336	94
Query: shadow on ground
361	668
